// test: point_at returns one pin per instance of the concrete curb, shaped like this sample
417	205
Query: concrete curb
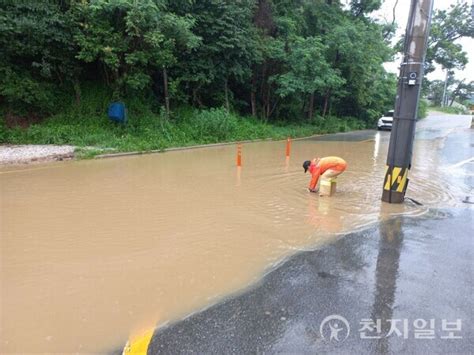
200	146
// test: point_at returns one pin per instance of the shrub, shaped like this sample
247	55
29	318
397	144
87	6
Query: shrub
422	109
215	124
3	129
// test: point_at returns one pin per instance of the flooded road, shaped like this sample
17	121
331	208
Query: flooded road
93	251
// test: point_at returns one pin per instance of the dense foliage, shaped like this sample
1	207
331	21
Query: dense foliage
456	90
448	26
443	50
189	71
84	125
273	59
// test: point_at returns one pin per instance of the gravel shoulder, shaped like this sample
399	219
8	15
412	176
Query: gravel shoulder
26	154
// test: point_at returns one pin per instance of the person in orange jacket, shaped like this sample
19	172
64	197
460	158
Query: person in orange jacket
328	167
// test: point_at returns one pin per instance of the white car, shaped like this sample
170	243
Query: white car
386	121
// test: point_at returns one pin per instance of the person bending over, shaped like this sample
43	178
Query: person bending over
326	168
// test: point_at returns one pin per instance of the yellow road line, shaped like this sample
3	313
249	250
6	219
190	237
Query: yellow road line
139	345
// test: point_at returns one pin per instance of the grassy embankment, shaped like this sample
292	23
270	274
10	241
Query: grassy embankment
449	110
86	126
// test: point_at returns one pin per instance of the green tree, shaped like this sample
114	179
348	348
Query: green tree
462	91
227	52
130	39
357	49
309	72
434	91
361	7
448	26
36	53
275	59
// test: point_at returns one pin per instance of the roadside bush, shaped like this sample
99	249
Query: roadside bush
84	123
215	124
422	109
453	110
331	124
456	110
3	130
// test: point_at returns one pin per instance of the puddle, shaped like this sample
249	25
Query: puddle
92	251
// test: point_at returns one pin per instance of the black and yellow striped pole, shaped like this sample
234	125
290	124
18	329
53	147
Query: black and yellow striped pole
409	86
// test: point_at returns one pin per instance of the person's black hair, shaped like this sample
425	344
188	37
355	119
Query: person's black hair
306	165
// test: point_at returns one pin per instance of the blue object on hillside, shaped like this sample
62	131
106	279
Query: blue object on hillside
117	112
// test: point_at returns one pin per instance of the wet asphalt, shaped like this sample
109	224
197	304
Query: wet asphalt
402	271
404	285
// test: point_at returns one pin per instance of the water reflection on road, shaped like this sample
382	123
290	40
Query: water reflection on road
94	250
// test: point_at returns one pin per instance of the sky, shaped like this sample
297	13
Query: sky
385	13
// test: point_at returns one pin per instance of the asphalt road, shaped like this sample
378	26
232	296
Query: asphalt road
400	286
404	271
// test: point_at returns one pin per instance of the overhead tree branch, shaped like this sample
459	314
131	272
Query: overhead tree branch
389	31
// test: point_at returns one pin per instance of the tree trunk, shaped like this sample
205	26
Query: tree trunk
445	99
311	106
453	97
165	86
263	98
106	75
455	93
326	102
226	88
303	106
253	98
196	98
267	104
253	103
77	91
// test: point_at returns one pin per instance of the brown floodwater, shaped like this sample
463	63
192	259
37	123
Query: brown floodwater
92	251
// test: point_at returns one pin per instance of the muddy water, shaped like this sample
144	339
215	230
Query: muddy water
93	251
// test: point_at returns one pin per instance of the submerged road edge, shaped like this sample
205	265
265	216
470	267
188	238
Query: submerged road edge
206	329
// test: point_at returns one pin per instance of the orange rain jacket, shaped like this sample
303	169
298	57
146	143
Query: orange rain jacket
328	163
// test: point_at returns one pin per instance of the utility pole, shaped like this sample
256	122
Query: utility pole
409	86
